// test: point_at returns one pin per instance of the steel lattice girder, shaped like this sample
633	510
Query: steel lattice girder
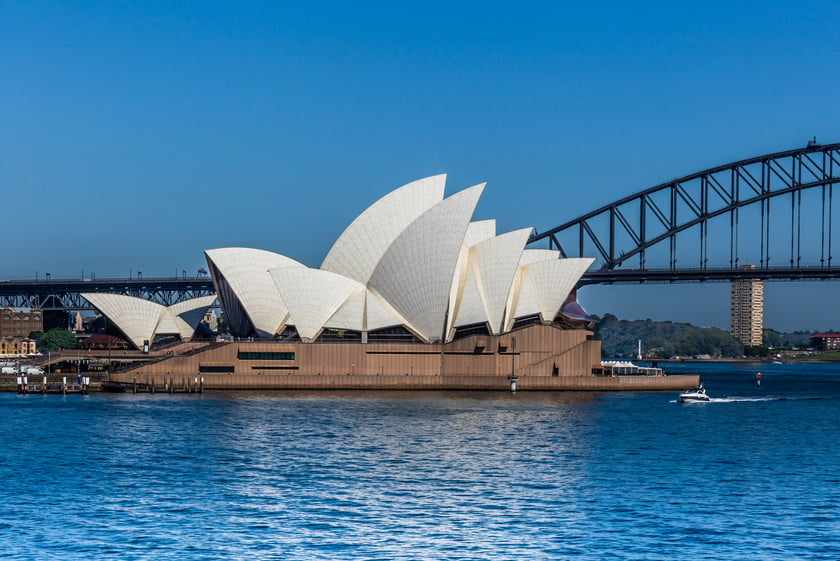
656	215
66	294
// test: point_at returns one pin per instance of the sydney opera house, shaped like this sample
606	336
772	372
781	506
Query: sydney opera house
413	294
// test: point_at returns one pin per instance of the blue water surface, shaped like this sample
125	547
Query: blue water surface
754	474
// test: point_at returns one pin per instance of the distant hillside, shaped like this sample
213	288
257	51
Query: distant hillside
776	339
664	339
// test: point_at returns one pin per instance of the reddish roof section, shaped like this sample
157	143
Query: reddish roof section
104	339
825	335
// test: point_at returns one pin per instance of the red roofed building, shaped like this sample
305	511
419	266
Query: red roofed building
100	341
826	341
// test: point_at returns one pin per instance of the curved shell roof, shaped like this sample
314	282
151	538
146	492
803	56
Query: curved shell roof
135	317
351	314
365	311
415	274
551	282
411	259
362	245
490	276
479	231
522	300
187	315
533	255
312	296
141	320
379	313
244	273
476	232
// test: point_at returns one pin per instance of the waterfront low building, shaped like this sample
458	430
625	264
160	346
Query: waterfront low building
627	368
826	341
17	346
101	341
536	357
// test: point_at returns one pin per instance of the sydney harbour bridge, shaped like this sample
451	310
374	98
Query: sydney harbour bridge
767	217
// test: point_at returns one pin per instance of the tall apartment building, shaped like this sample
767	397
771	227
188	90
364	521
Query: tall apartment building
746	310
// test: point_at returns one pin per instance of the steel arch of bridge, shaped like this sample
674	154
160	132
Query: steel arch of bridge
656	215
643	219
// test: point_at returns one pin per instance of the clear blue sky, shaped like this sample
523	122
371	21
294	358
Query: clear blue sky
136	135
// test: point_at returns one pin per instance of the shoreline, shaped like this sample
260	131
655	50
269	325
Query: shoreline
210	383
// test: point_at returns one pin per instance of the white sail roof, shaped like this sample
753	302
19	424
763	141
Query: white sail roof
362	245
135	317
533	255
479	231
245	272
412	259
365	311
415	274
551	282
522	301
312	296
351	314
495	263
467	307
379	314
186	315
141	320
476	232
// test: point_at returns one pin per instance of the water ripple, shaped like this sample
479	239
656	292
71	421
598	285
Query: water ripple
435	475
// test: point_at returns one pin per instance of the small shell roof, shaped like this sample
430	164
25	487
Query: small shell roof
136	317
141	320
551	282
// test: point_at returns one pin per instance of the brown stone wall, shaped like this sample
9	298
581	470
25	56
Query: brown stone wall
20	323
541	356
396	382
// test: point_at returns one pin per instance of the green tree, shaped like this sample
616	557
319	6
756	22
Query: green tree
773	338
663	339
57	338
755	351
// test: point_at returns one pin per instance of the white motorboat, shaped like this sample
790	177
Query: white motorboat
694	396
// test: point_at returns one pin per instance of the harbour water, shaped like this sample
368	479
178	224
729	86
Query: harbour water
754	474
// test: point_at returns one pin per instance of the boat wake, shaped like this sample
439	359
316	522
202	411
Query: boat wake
747	399
766	398
735	399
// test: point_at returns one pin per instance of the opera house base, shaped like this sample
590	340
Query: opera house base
539	357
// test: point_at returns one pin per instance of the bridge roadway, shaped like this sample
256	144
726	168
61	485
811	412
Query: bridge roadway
65	294
723	274
617	232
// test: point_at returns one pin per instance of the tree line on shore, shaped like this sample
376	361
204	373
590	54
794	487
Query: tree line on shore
666	340
619	338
